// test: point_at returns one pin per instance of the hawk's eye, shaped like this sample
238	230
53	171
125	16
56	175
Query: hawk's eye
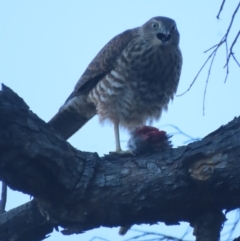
154	25
173	27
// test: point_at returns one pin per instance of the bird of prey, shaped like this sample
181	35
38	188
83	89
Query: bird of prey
129	82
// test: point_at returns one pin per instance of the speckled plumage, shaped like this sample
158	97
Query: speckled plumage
131	80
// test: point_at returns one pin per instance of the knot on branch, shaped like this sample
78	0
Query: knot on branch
204	168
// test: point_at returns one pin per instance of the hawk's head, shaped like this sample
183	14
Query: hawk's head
160	31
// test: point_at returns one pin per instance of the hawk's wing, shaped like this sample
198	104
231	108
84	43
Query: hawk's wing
104	62
69	120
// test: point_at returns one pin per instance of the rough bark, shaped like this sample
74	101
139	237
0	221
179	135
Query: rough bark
81	191
24	223
207	226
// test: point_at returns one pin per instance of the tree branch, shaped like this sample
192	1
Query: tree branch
81	191
214	49
221	8
24	223
3	198
208	226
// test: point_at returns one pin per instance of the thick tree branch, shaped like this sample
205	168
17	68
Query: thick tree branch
24	223
207	226
81	191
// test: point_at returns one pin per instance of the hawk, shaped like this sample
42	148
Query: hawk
130	81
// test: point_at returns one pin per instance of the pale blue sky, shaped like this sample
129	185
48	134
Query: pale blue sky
46	45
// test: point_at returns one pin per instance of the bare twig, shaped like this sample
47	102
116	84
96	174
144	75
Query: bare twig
220	10
227	71
180	132
205	89
98	238
149	236
214	50
195	78
3	197
158	236
233	225
236	61
231	54
188	230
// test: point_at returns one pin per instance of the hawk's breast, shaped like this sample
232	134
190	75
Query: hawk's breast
140	86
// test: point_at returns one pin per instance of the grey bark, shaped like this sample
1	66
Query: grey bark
81	191
24	223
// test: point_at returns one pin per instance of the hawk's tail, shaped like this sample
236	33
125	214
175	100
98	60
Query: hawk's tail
69	120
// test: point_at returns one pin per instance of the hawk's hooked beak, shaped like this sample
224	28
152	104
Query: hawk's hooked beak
164	37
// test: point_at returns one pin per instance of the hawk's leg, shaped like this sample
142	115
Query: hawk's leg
117	136
117	140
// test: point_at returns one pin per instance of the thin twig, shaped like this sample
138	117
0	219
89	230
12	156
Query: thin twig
236	60
215	49
206	84
159	236
229	233
227	71
233	43
207	50
100	238
188	230
180	132
221	8
231	50
195	76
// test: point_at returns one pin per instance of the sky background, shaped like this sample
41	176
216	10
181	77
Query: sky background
46	45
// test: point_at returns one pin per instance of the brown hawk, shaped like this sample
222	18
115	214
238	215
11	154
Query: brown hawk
129	82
